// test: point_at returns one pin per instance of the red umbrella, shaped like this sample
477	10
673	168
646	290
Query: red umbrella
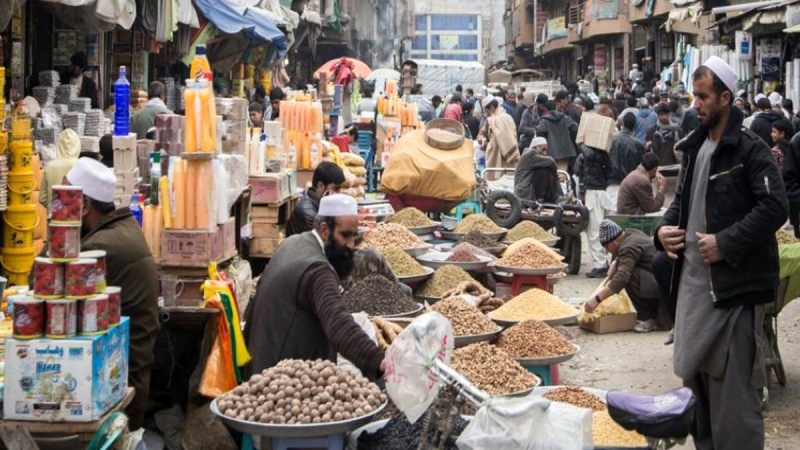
358	68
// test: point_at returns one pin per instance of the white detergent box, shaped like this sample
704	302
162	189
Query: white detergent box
66	380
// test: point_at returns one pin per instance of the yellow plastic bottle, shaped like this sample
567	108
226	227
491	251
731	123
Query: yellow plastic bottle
166	207
203	200
191	195
191	137
200	66
208	119
179	193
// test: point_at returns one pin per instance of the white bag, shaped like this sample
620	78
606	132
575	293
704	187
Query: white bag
528	423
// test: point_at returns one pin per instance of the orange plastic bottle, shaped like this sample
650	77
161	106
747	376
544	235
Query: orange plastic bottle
179	193
191	195
203	200
190	125
208	118
200	66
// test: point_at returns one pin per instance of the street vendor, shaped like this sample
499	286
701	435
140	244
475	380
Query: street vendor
298	310
536	177
327	179
631	269
129	265
498	135
635	196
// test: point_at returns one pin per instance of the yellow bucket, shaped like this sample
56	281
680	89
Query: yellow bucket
20	158
17	263
20	221
20	188
37	172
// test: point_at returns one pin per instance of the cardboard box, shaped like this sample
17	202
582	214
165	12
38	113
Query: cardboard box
66	380
271	187
229	238
267	230
264	247
192	248
125	153
596	131
611	324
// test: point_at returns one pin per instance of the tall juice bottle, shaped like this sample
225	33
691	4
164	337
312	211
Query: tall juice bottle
191	195
200	66
122	102
291	149
319	124
179	193
157	227
203	200
315	151
305	151
165	207
208	118
191	124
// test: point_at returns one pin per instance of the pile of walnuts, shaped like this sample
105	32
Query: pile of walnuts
301	392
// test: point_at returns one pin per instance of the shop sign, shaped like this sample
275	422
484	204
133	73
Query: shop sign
599	58
556	28
605	9
770	59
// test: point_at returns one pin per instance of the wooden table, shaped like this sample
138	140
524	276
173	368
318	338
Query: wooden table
16	434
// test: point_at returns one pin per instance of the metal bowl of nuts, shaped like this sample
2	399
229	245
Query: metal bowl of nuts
417	251
426	230
417	278
463	341
546	361
453	236
529	271
552	322
438	259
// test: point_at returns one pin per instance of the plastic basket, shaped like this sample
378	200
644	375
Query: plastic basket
645	224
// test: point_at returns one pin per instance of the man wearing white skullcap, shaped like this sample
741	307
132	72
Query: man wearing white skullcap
536	176
498	136
720	232
298	310
129	265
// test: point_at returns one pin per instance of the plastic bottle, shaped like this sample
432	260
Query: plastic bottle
203	201
155	176
315	152
179	193
136	209
122	102
191	195
207	118
200	66
191	124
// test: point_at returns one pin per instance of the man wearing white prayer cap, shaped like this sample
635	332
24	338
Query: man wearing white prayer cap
720	232
298	310
129	265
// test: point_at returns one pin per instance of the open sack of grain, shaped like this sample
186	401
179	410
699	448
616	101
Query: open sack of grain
614	305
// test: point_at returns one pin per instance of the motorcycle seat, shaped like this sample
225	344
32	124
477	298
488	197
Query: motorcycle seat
663	416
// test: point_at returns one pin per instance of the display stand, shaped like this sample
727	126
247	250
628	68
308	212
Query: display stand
333	442
539	281
548	374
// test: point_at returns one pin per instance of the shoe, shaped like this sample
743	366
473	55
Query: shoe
671	338
645	326
597	273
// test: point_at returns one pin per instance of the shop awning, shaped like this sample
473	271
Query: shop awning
243	16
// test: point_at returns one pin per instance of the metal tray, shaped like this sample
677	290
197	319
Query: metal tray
555	279
552	322
463	341
438	259
496	250
422	231
295	431
526	271
423	298
453	236
417	278
417	251
548	360
413	313
547	242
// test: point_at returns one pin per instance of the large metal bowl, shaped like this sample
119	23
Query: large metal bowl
463	341
438	259
413	313
417	251
295	431
453	236
417	278
494	250
422	231
548	242
552	322
528	362
528	271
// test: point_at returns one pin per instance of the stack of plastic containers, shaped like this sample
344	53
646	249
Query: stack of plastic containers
3	145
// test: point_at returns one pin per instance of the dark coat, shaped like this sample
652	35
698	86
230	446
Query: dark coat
536	178
302	218
762	125
625	154
791	178
560	131
593	166
745	204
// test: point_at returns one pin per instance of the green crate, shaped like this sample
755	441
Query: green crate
645	224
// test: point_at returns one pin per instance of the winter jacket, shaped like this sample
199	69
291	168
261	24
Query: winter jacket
690	121
130	265
745	204
536	178
527	127
593	167
502	150
663	139
635	195
67	151
560	132
510	109
791	178
625	155
762	125
302	218
796	123
645	118
145	118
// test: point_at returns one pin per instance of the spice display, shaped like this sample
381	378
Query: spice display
533	339
443	279
477	251
80	279
378	296
302	392
534	304
522	242
530	256
100	268
28	318
465	318
48	278
462	255
64	243
399	434
67	206
402	264
491	369
392	235
607	433
785	237
62	315
114	294
385	331
477	239
411	217
528	229
470	287
93	315
577	397
477	222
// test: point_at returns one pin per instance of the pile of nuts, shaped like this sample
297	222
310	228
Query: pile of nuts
477	222
533	340
491	369
528	229
377	296
607	433
465	318
530	256
402	264
513	247
477	251
464	255
534	304
443	279
392	235
577	397
411	218
302	392
477	239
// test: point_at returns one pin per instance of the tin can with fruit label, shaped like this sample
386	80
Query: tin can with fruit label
62	318
64	242
80	279
93	315
114	305
28	321
100	268
67	205
48	278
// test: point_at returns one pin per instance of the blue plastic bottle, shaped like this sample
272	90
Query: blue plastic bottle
122	102
136	209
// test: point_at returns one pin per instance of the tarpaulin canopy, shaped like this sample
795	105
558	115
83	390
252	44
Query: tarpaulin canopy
243	16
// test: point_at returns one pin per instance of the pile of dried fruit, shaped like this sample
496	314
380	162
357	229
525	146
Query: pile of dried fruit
399	434
607	433
470	287
530	256
522	242
402	264
462	255
477	222
491	369
534	304
532	340
477	239
301	392
577	397
385	331
477	251
391	235
465	318
443	279
785	237
411	217
528	229
377	296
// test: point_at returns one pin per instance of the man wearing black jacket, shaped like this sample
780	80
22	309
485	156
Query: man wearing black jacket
791	178
327	179
762	124
720	230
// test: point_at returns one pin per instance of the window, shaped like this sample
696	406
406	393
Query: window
419	43
468	42
421	23
443	22
529	16
454	42
451	57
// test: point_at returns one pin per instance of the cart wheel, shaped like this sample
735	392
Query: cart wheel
572	251
505	218
578	221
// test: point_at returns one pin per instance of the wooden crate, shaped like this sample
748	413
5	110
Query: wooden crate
267	230
275	213
198	248
263	247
